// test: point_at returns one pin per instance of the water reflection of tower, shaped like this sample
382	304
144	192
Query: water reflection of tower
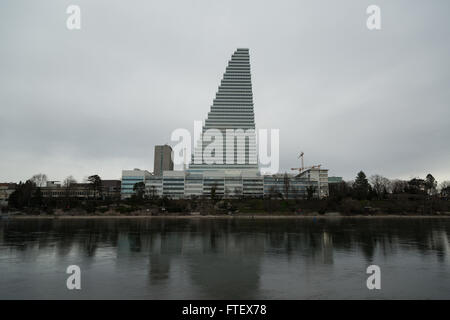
228	265
327	248
439	242
165	246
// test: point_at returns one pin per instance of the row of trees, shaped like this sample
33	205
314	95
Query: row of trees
380	187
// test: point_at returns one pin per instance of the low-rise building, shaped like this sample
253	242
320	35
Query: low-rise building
193	185
320	176
6	189
173	184
109	189
276	186
228	184
334	180
130	178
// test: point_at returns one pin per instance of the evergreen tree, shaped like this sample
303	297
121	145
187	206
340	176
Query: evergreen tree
361	186
96	184
38	199
139	188
430	184
21	197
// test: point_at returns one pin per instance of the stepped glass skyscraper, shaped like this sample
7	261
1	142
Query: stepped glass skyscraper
232	117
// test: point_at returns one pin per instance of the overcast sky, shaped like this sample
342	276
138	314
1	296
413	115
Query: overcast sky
97	100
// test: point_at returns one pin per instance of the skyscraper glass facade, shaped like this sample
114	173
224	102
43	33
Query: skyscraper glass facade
231	112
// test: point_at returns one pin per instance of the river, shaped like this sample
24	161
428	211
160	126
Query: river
214	258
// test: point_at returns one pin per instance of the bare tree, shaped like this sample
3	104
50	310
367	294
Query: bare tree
39	179
399	186
68	184
380	184
444	185
70	180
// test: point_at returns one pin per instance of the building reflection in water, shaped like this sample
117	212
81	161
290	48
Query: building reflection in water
220	258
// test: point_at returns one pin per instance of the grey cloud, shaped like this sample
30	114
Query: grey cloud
98	99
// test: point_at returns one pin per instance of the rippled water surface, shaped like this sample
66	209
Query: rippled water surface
157	258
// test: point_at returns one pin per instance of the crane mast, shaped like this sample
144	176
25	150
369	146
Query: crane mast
303	168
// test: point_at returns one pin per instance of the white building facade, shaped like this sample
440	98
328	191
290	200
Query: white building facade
130	178
230	184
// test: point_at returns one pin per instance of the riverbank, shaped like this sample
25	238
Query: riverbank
409	206
236	216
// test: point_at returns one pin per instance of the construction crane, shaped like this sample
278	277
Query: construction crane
303	168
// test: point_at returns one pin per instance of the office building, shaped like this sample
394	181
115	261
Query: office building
320	176
232	109
332	180
110	189
234	184
130	178
163	159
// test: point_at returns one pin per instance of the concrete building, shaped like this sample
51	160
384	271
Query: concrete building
163	159
110	189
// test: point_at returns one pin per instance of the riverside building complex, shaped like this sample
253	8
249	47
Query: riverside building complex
234	173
